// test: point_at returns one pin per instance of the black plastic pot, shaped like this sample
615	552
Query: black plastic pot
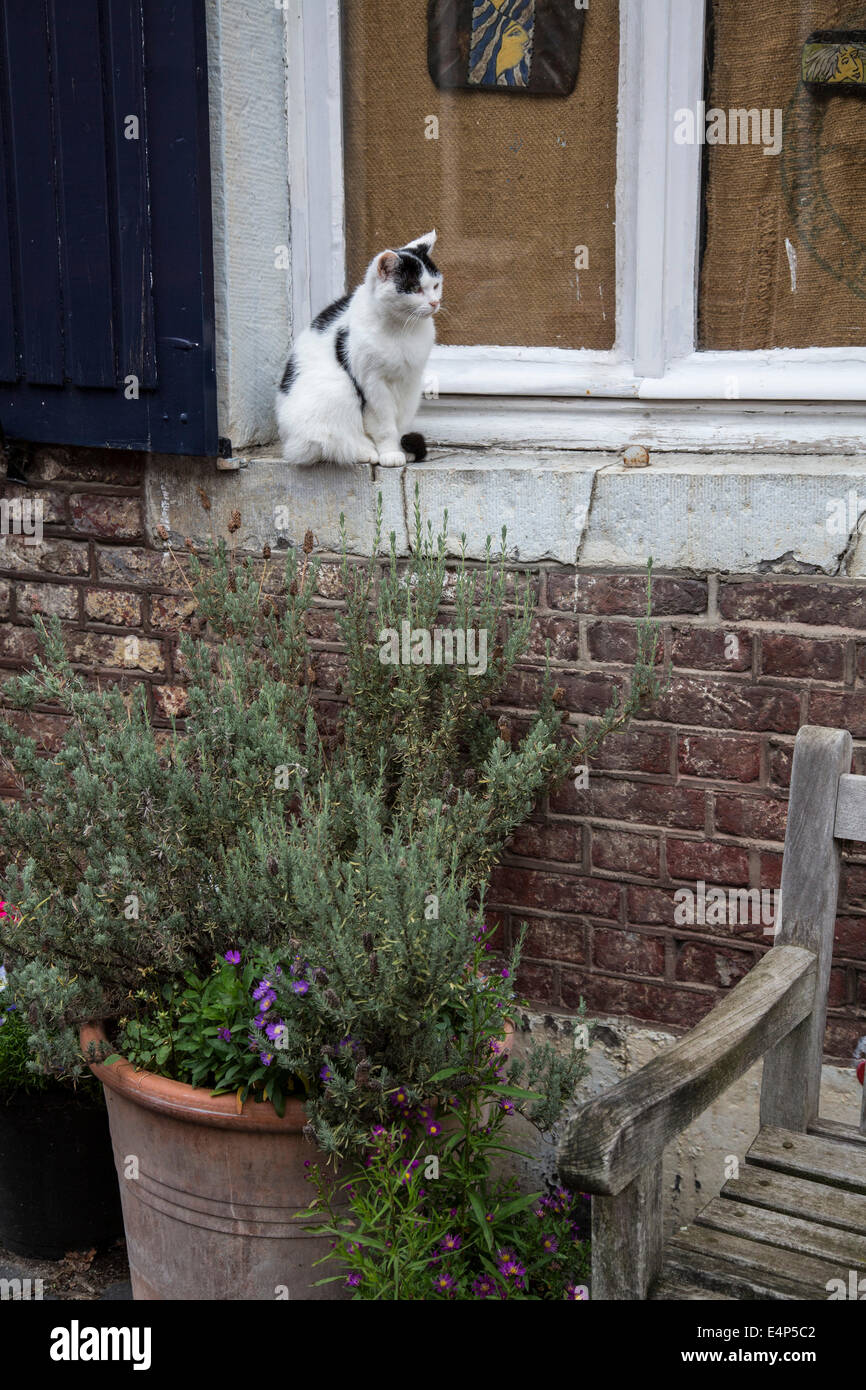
58	1185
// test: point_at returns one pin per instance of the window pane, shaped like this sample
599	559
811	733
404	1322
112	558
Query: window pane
515	182
785	219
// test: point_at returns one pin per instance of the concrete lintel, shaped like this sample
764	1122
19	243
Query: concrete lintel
715	512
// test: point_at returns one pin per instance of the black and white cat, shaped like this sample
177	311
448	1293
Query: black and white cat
353	382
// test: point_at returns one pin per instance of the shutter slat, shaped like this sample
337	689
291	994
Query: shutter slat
33	176
85	239
8	350
125	65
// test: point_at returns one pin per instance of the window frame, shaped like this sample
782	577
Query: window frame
654	385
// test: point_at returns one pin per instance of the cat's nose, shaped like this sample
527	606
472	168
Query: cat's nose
434	303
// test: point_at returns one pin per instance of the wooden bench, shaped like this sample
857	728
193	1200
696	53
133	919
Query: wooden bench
795	1217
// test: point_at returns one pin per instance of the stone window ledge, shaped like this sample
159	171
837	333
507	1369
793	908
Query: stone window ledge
708	512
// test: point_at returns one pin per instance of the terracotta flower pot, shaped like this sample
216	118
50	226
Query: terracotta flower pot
210	1195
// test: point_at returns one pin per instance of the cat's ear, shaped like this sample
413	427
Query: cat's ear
423	243
387	264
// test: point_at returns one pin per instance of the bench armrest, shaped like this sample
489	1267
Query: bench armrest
613	1137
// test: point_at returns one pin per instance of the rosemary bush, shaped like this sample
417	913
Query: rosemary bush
136	859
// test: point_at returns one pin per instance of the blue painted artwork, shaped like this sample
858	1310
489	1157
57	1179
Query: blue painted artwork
502	39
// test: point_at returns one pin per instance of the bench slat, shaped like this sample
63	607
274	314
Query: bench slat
809	1156
812	1201
785	1232
851	808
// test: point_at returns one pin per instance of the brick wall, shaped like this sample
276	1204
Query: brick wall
697	790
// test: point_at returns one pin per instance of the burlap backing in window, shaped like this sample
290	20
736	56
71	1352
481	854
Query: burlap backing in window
513	184
785	257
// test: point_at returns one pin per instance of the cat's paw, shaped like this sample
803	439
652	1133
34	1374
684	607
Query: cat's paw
367	453
395	458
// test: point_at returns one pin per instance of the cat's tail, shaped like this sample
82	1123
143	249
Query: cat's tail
414	444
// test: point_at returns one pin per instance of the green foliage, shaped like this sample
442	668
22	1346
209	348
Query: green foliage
136	858
427	1216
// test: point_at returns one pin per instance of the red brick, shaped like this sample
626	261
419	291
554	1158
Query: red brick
133	566
658	1003
771	870
169	612
624	594
5	598
331	668
707	860
729	705
107	518
531	888
107	467
817	604
842	1037
562	635
839	711
627	952
114	607
53	502
802	657
718	757
635	750
711	649
123	653
653	906
622	852
49	557
170	701
329	581
642	802
557	841
780	759
321	625
837	995
591	693
849	938
853	890
18	644
555	938
751	817
536	982
617	642
700	962
46	729
55	600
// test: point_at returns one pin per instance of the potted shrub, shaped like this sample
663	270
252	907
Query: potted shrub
58	1190
265	930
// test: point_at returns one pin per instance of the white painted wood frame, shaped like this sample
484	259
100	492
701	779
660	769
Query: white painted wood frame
654	386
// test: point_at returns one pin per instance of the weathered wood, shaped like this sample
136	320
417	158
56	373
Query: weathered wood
811	1201
863	1113
808	1156
613	1137
834	1129
850	821
627	1239
785	1232
671	1288
752	1270
810	885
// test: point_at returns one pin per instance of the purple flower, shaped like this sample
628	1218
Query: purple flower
225	1034
233	957
300	986
264	990
449	1243
549	1244
576	1293
433	1128
509	1266
266	1058
443	1283
275	1031
259	1022
325	1074
354	1279
485	1286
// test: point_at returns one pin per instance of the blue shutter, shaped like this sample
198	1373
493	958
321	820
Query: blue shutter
105	241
